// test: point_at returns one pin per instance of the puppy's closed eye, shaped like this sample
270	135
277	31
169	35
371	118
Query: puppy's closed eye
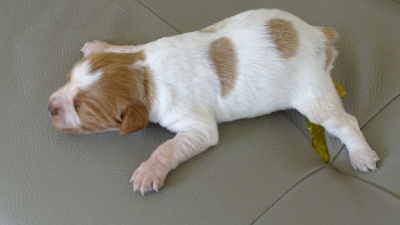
77	104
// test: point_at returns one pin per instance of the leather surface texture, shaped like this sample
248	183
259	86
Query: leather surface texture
263	171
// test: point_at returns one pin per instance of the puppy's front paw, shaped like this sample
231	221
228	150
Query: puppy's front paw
364	160
90	48
149	176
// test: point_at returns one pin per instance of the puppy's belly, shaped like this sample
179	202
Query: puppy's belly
241	107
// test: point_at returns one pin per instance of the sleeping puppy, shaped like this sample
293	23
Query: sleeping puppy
251	64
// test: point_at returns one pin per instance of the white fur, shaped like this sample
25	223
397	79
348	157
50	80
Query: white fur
188	93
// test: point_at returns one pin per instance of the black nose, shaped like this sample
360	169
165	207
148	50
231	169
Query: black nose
53	110
50	110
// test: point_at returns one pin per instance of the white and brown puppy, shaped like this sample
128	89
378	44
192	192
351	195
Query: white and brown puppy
248	65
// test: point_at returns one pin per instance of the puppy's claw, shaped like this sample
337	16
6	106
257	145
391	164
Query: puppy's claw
364	160
135	188
155	188
148	177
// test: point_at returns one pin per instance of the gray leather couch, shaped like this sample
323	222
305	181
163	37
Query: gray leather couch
264	170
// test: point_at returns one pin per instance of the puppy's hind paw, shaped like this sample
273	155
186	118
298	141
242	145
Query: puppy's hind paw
363	160
94	47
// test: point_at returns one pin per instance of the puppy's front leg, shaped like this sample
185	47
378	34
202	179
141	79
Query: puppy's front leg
151	173
90	48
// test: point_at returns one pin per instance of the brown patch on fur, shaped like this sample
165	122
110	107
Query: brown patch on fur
330	52
285	37
134	118
108	60
122	97
224	59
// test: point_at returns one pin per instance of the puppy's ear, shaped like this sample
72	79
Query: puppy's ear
133	118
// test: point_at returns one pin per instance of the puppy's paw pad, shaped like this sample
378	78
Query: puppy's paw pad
90	48
364	160
148	177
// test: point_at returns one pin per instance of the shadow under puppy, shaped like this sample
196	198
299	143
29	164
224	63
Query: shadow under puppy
248	65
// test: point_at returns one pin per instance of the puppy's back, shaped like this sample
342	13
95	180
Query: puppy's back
244	66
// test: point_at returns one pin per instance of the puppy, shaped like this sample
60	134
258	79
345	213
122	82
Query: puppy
248	65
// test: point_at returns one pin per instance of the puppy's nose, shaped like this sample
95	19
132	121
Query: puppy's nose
53	110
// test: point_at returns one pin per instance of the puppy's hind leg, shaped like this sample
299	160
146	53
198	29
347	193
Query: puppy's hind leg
322	105
90	48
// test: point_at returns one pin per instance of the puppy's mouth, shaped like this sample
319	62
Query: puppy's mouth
81	130
72	131
60	126
84	130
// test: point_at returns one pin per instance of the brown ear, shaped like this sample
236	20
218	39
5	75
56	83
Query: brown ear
133	118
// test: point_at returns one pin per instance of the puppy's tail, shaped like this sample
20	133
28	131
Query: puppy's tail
330	51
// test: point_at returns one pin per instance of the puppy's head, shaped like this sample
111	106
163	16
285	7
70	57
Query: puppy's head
106	91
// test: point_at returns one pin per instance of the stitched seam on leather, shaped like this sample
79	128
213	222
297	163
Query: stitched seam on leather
330	165
333	160
384	107
369	183
284	194
155	13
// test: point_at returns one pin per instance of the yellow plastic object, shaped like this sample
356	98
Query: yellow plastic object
317	132
339	88
318	140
